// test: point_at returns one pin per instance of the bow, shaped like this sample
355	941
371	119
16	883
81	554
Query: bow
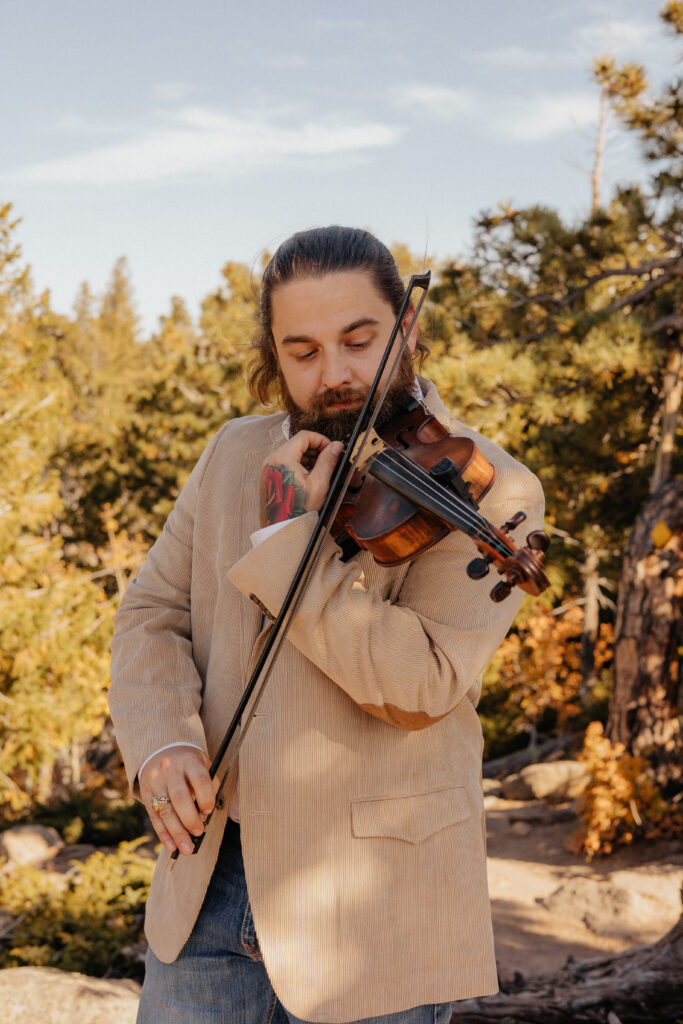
346	466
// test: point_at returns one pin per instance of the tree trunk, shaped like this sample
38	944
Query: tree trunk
672	392
591	622
596	176
644	704
639	986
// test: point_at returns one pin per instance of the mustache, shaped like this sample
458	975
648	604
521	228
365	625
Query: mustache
322	403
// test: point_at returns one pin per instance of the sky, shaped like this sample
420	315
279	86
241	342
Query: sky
184	135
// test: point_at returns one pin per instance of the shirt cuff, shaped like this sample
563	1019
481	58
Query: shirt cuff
167	747
258	536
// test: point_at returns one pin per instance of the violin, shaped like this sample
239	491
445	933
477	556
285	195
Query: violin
415	485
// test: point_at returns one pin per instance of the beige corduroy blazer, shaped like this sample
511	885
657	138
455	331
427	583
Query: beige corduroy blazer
360	778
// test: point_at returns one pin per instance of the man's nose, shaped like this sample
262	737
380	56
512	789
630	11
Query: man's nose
336	372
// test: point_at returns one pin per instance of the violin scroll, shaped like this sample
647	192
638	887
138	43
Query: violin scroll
523	567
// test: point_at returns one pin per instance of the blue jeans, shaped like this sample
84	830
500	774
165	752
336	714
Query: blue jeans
219	977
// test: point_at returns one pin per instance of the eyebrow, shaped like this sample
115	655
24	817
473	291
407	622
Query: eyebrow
298	339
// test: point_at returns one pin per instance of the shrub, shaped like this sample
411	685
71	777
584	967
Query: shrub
83	924
534	679
90	818
622	801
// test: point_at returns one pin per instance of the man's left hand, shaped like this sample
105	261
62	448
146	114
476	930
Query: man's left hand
288	487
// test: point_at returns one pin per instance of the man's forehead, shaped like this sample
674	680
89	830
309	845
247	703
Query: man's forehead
338	299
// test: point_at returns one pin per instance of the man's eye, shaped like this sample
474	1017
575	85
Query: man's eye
358	344
304	356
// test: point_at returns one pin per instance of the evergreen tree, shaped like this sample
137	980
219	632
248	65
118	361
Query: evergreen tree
55	622
563	343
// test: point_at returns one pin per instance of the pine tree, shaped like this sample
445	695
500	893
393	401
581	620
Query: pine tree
55	622
563	342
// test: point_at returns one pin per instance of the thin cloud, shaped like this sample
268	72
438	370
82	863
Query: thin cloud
515	118
340	24
284	61
518	57
199	139
437	101
545	116
171	92
77	126
624	38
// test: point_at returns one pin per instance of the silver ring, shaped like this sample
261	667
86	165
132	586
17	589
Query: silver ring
159	801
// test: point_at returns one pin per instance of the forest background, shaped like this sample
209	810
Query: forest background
560	341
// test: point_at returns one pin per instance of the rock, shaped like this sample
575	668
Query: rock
607	909
520	828
29	845
515	788
68	854
538	813
137	952
492	787
45	995
555	781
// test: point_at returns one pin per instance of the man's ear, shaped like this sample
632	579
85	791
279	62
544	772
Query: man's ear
412	339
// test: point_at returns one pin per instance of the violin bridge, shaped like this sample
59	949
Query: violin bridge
373	446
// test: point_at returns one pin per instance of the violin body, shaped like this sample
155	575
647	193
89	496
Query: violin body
417	485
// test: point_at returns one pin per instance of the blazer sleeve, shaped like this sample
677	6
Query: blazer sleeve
155	693
409	663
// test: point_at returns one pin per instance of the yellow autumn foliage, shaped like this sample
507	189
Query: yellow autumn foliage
622	801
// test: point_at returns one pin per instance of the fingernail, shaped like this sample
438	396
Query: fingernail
186	847
197	831
170	845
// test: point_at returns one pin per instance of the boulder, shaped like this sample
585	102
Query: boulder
491	787
515	788
520	828
45	995
556	781
605	908
29	845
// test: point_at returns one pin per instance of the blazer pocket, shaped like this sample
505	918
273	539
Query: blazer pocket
411	818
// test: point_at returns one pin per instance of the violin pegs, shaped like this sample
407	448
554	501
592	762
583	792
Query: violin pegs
513	522
478	568
501	591
538	540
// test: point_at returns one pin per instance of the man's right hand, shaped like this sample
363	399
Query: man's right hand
182	773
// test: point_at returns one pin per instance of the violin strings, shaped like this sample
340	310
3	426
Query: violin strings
445	500
448	501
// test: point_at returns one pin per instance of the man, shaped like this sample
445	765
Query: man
358	789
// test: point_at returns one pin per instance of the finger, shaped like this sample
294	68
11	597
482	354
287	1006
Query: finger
310	439
183	803
321	474
161	831
215	781
174	826
200	783
151	777
306	441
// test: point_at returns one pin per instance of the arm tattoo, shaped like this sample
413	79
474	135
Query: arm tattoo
281	497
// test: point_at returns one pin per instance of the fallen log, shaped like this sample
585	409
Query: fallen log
639	986
534	752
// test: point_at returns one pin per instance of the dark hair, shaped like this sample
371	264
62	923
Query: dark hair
314	253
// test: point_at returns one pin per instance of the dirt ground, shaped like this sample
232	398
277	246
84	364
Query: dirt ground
549	904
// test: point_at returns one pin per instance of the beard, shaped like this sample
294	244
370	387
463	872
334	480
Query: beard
337	424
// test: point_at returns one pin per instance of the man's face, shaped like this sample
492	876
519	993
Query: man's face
330	333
